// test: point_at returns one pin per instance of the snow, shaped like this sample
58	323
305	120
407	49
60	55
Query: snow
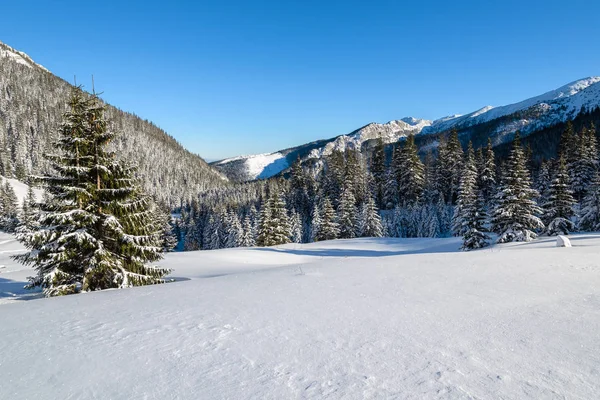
351	319
550	108
260	166
18	56
21	189
563	241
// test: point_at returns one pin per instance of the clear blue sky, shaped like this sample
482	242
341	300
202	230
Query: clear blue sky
240	77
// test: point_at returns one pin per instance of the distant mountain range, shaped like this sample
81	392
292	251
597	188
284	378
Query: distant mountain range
32	101
498	123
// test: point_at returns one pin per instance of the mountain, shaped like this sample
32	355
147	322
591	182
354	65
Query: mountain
32	101
498	123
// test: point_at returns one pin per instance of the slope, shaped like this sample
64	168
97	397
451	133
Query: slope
354	319
32	101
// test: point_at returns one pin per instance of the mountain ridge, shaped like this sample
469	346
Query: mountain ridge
538	112
32	101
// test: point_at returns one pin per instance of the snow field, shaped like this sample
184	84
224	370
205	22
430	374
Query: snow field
351	319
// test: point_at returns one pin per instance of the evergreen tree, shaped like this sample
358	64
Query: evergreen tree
450	167
328	229
30	214
100	230
543	182
233	231
315	225
263	233
487	173
558	211
295	227
370	220
590	210
347	218
467	196
411	174
378	171
248	235
9	208
274	227
515	215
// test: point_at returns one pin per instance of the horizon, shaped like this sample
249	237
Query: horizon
255	79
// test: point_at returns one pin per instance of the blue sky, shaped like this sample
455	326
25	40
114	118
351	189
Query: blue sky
241	77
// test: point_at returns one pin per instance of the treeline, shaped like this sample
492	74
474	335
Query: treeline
462	192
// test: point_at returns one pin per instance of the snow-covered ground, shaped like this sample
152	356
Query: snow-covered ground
352	319
21	189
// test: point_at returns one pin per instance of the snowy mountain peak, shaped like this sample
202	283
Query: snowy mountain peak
529	115
18	56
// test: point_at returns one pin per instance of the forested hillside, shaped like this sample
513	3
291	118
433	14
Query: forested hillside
32	101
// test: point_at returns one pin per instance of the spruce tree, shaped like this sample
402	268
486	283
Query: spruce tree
329	228
9	208
100	230
558	211
370	220
467	195
295	227
515	215
347	214
487	173
590	208
263	232
248	233
315	225
30	214
378	171
411	181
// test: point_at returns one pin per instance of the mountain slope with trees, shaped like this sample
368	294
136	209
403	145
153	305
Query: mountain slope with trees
32	102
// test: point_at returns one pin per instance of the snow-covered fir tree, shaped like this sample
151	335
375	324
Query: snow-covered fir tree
295	227
487	173
100	231
515	217
248	233
329	228
590	207
233	230
378	172
469	215
467	195
370	220
558	211
347	214
274	226
30	214
411	174
315	225
9	208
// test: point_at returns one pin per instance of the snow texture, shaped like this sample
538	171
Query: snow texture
345	319
260	166
21	189
563	241
18	57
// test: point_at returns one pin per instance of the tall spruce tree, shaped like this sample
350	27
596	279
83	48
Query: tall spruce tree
411	175
329	228
378	171
469	212
100	230
558	211
590	208
370	220
487	173
515	217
